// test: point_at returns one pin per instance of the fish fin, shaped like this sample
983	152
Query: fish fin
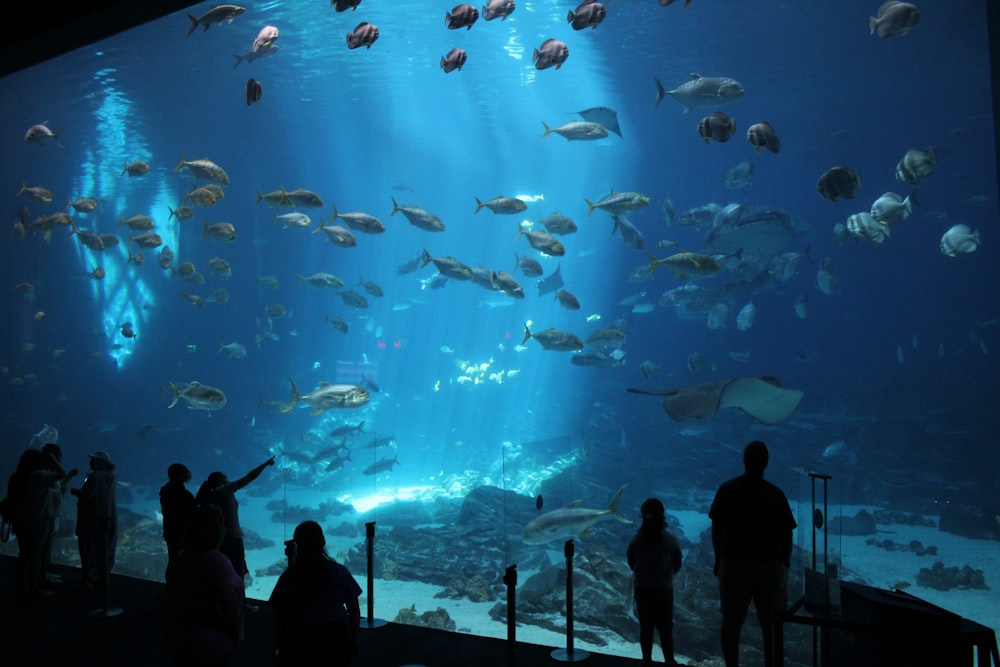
613	507
575	503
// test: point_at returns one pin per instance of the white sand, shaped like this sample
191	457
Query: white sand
860	562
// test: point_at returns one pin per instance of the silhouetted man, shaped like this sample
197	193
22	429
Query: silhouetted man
752	527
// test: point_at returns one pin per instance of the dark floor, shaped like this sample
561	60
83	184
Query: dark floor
61	631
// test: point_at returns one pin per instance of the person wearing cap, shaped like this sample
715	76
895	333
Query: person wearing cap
654	556
315	602
97	520
752	527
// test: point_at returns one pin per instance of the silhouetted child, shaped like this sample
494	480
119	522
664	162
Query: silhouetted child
177	505
654	555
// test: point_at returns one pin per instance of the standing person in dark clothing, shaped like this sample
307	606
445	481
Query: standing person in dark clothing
218	490
315	605
205	610
177	505
97	520
752	526
654	556
28	491
56	494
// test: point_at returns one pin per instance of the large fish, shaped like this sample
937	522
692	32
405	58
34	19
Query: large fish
553	339
686	264
418	217
702	91
570	521
197	395
618	202
581	130
503	205
329	396
205	169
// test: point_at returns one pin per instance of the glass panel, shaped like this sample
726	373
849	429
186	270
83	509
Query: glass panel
832	298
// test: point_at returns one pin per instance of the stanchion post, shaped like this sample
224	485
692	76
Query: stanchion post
370	622
569	654
510	580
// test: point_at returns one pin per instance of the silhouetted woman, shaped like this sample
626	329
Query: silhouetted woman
655	557
315	604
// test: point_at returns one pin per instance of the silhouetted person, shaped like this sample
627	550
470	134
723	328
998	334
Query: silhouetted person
315	604
752	527
28	491
654	555
218	490
97	520
205	610
56	496
177	505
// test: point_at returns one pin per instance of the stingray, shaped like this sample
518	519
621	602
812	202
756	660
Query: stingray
550	283
605	116
763	398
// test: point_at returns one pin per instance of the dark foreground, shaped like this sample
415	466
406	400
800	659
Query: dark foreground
60	631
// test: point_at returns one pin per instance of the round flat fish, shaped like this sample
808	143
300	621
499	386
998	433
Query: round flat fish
253	91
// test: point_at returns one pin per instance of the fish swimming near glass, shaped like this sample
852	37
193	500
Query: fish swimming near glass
570	521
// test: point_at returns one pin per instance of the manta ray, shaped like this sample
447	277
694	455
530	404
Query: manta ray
763	398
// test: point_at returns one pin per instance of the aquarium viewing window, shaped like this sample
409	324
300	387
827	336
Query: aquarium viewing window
491	284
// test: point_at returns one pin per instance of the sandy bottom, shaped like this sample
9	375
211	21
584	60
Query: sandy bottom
860	562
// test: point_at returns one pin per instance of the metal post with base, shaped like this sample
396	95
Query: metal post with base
370	622
569	654
510	580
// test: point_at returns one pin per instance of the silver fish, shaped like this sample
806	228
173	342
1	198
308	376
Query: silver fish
570	521
702	91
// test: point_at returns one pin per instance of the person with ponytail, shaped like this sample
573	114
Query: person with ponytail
654	555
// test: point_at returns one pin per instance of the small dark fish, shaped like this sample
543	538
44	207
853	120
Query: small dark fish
894	17
761	135
529	266
817	518
136	168
253	91
552	53
344	5
567	300
718	126
146	431
365	34
588	14
539	501
454	60
127	330
462	16
839	182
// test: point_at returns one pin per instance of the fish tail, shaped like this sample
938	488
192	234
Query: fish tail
872	24
447	18
221	347
295	398
527	334
661	92
194	24
321	224
479	205
173	389
548	130
206	232
427	258
590	207
124	169
335	214
570	16
517	263
259	197
180	164
652	263
613	507
395	206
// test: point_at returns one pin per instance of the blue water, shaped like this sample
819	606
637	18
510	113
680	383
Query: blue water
360	127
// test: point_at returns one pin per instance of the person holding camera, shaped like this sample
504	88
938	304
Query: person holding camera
315	604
